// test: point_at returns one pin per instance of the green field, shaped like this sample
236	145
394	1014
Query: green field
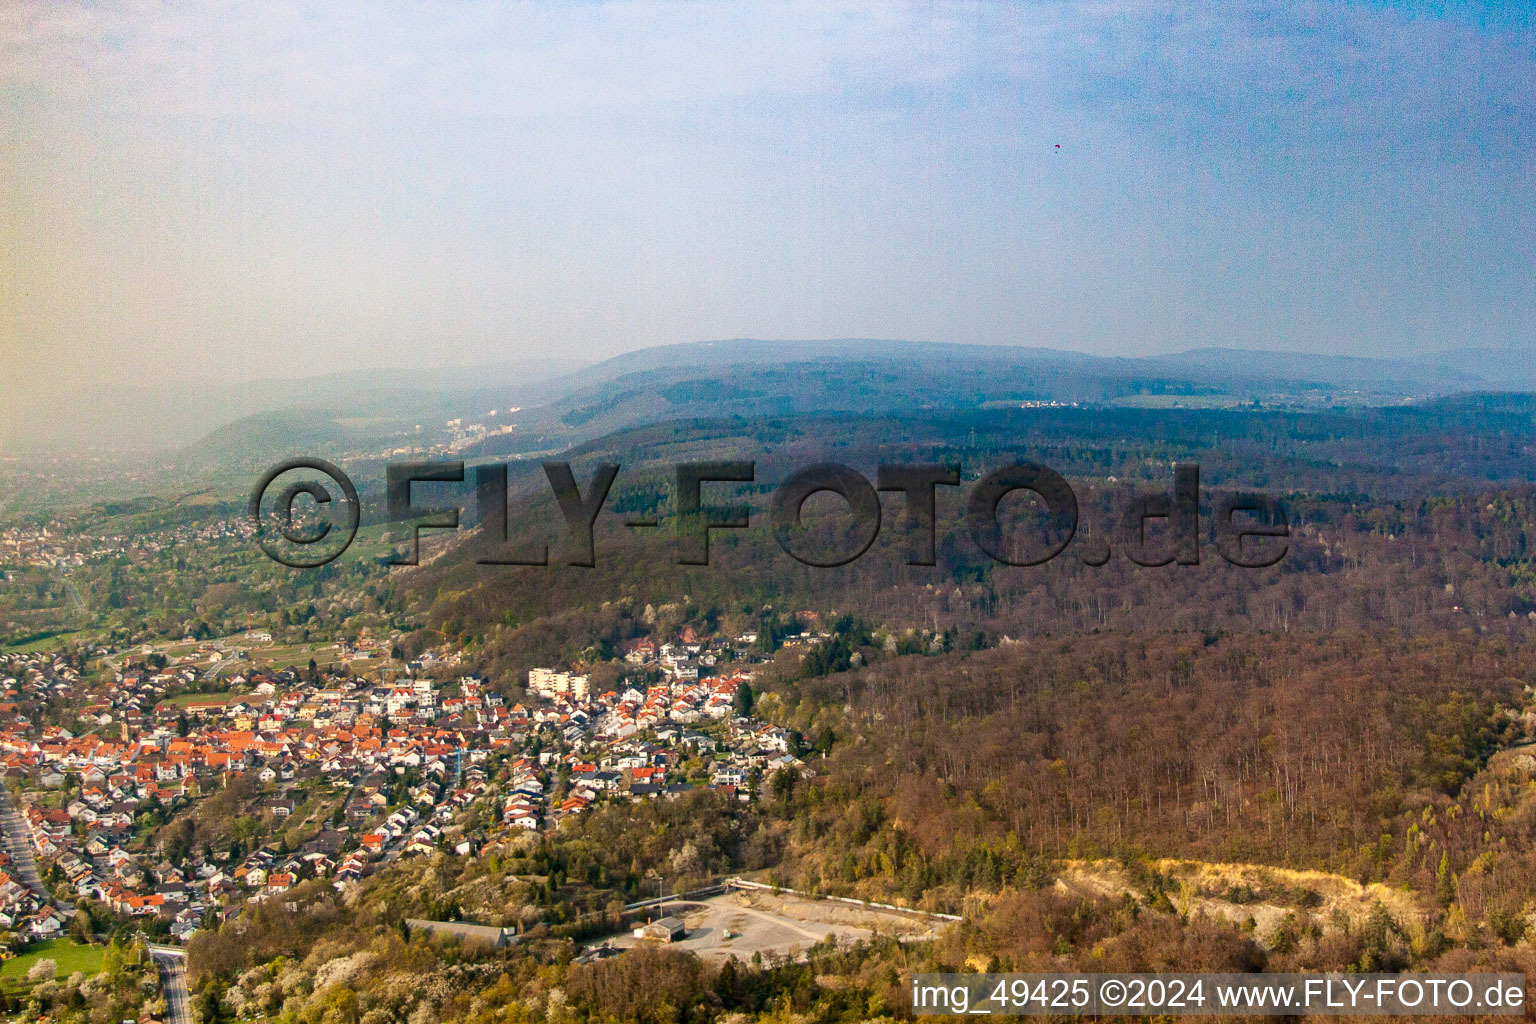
71	956
47	643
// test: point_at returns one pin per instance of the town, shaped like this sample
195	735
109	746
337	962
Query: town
400	762
58	544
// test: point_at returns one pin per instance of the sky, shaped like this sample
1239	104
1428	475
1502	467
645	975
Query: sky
207	192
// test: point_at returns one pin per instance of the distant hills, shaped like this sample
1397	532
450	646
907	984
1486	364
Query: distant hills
753	378
561	403
162	418
289	431
1463	369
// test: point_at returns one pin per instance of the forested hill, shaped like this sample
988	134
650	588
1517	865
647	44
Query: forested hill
1411	519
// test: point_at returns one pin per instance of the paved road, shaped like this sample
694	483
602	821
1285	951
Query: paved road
74	592
172	962
23	864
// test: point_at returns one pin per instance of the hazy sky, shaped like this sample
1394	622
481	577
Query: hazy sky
215	191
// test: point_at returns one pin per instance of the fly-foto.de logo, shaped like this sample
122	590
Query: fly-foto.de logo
306	523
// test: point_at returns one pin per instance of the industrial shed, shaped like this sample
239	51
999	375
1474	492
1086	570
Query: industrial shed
668	929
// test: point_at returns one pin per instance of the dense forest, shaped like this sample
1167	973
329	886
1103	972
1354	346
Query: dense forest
963	772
